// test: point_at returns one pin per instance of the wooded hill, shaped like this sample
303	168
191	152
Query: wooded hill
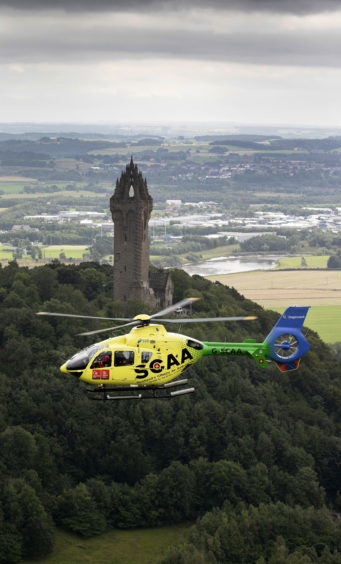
254	455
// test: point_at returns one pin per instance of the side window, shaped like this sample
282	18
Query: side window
124	358
103	360
146	356
195	344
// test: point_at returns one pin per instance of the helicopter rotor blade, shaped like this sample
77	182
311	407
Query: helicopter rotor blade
83	316
206	319
168	309
115	328
173	307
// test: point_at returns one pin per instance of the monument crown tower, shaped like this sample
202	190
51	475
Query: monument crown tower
131	207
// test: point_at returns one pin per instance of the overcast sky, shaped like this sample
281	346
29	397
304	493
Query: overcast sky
264	62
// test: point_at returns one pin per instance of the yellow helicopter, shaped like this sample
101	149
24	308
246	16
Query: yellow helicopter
149	358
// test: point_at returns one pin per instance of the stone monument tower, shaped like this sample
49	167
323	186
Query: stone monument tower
131	207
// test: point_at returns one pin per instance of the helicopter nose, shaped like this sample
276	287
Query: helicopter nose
75	373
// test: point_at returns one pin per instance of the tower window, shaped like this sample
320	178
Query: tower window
131	191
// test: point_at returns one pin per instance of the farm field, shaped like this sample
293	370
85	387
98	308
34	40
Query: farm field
318	261
277	289
50	252
132	149
17	179
325	320
142	546
277	196
70	251
5	255
11	187
70	194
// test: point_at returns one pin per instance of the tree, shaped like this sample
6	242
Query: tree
175	488
18	449
10	544
78	512
247	437
36	526
334	261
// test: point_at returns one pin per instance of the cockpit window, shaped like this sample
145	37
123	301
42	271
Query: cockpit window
124	358
80	360
103	360
194	344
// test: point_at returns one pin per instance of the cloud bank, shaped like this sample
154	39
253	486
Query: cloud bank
271	6
256	60
204	35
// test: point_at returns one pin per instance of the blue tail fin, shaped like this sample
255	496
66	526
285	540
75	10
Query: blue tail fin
286	342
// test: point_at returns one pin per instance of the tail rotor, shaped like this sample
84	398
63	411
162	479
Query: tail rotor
286	341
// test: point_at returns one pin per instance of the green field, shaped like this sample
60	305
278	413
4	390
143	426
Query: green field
50	252
277	195
5	255
319	261
70	251
72	194
12	187
325	320
138	546
276	289
124	151
219	251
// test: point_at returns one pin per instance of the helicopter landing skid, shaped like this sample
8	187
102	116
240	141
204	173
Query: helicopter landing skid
144	392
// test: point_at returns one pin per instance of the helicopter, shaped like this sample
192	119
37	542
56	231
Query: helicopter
145	363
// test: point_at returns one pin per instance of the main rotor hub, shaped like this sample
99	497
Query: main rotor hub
142	317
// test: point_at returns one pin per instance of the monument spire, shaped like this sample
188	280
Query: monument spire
131	207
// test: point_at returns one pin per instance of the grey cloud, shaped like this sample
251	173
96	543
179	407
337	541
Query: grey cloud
299	7
302	49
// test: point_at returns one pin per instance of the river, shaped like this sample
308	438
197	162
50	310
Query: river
230	265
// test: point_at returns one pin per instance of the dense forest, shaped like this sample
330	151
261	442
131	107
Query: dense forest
252	458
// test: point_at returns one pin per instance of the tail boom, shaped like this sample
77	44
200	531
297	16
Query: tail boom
258	351
285	343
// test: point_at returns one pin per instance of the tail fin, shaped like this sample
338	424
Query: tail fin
286	342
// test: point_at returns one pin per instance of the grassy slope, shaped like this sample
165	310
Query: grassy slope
207	254
138	546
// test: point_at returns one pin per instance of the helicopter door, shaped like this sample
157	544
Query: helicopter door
123	371
124	358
